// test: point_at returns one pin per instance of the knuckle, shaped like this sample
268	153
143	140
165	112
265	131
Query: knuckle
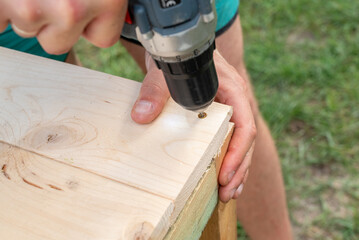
243	84
253	131
72	12
28	11
235	84
154	89
104	42
240	82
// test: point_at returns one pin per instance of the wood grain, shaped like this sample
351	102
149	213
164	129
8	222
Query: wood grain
44	199
200	206
80	119
222	225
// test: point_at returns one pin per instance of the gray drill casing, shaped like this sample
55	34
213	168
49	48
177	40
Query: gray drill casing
172	30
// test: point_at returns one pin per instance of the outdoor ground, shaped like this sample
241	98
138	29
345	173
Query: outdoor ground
303	57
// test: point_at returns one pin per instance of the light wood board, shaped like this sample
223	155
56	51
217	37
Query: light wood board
69	122
202	204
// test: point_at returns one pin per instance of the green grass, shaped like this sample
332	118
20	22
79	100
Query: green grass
303	58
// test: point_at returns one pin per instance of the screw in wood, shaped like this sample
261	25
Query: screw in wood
202	115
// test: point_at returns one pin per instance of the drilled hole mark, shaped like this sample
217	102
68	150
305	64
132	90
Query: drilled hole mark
54	187
3	169
31	184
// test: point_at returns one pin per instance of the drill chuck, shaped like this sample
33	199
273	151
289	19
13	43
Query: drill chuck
192	83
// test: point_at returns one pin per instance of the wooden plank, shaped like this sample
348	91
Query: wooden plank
198	209
223	223
81	118
45	199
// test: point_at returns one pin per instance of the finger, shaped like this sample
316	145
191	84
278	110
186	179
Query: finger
232	91
55	40
105	30
244	180
153	96
243	137
27	17
23	33
234	188
65	26
235	156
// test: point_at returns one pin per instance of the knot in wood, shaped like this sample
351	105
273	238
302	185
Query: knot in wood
59	135
139	231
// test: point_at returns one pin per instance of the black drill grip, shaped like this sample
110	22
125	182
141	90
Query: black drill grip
193	83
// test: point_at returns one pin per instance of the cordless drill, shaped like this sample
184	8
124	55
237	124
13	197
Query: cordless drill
179	35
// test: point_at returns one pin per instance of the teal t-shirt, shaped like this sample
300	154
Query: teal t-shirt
226	10
10	39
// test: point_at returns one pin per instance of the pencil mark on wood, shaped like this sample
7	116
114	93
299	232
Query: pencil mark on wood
31	184
3	169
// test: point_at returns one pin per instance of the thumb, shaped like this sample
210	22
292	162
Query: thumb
153	96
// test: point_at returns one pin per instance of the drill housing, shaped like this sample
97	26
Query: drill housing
179	35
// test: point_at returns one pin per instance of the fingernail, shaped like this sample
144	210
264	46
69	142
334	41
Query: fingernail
239	190
232	192
144	107
230	176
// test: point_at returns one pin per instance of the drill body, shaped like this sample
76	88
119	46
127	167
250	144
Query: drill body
179	35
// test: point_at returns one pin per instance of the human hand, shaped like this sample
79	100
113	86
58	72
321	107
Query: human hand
232	91
235	167
58	24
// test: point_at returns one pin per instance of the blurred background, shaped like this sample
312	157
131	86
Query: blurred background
303	58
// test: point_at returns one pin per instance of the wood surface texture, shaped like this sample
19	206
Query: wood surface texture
73	165
198	209
222	225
